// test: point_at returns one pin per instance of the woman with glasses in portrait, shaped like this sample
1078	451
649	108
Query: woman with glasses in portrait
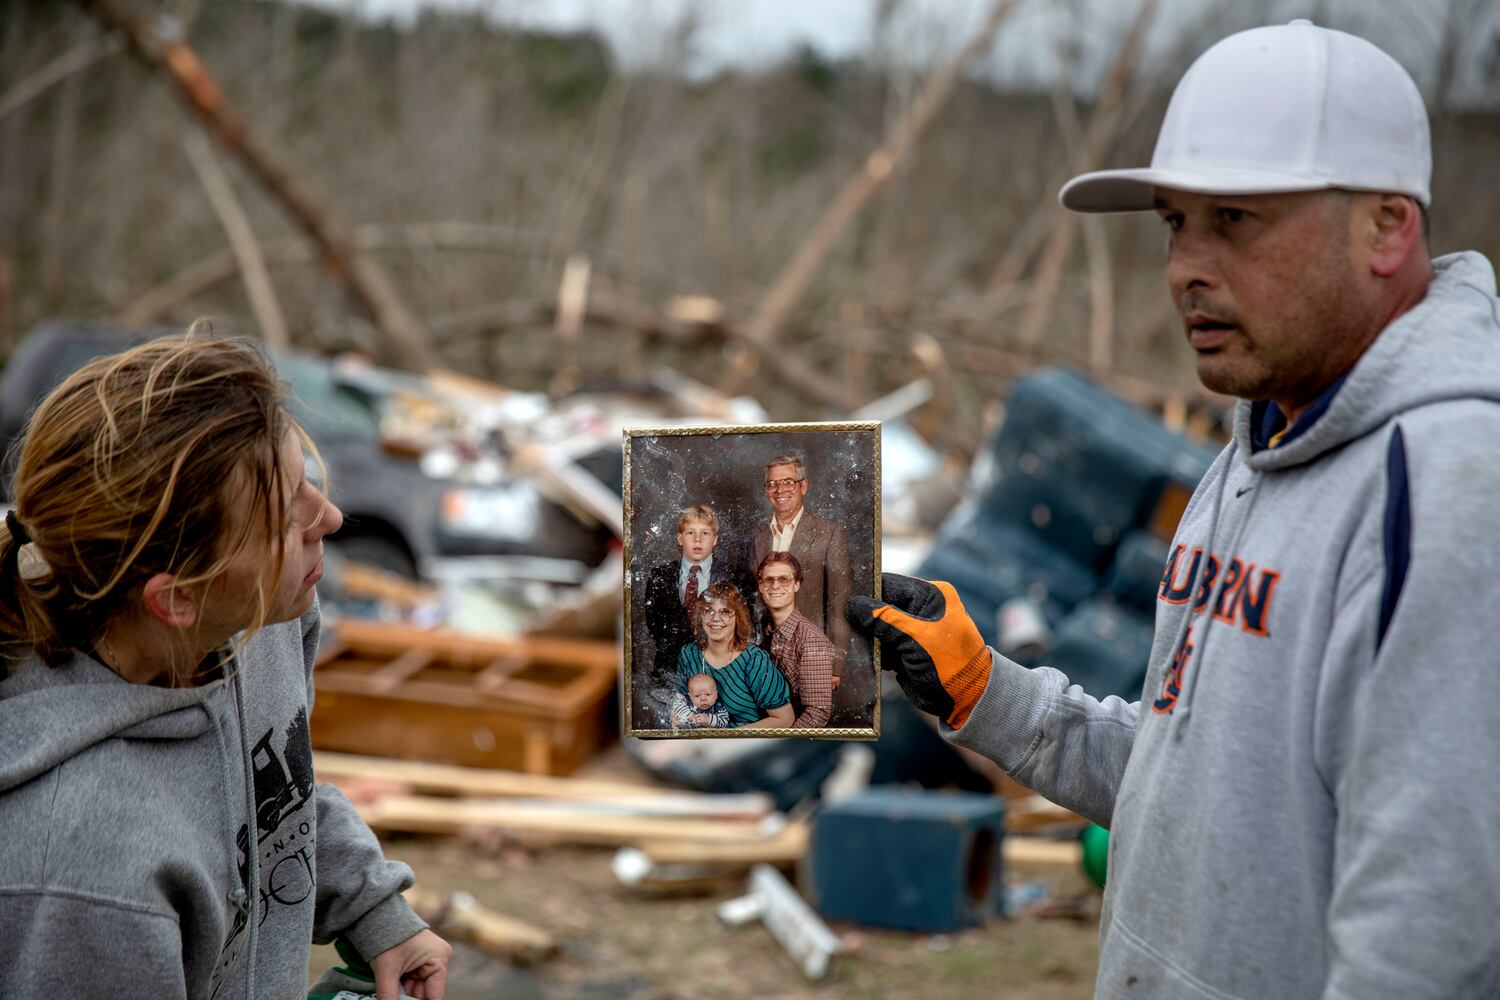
753	691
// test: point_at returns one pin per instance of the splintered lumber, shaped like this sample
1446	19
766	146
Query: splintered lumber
425	814
1042	853
638	872
453	780
370	581
538	704
460	916
787	846
1034	813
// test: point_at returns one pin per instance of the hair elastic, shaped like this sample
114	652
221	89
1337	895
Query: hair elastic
17	530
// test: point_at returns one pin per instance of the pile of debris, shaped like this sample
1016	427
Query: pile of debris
924	861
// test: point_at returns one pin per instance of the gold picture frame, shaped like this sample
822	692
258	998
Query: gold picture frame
670	475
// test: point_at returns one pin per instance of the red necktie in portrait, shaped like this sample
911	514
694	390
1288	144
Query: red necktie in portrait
691	594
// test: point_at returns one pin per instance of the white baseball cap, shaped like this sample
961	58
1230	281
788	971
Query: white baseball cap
1292	107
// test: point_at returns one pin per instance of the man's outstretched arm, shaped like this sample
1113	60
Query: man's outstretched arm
1049	735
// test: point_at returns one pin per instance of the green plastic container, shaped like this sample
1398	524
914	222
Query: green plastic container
1096	853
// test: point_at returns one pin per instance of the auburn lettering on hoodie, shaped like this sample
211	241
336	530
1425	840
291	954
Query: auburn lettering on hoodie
1244	599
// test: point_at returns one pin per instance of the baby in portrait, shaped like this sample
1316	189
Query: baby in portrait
700	708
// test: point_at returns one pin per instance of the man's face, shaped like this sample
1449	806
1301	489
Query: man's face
703	692
778	586
1267	288
696	540
786	497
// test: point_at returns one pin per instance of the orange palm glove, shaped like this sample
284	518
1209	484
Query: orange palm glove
929	642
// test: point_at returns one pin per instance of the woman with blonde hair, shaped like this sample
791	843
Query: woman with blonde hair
750	686
164	835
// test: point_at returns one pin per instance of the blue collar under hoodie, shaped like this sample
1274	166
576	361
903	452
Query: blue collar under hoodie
171	842
1302	802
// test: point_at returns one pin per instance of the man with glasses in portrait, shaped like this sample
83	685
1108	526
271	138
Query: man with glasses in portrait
800	651
820	546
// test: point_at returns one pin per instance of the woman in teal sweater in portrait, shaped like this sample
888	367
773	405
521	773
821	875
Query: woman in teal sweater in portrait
750	686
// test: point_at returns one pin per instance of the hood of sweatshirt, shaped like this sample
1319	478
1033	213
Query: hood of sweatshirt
1440	349
50	714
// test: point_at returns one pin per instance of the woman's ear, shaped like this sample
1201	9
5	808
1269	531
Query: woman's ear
169	603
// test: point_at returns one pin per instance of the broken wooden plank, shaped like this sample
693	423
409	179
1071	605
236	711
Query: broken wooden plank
493	676
1033	812
391	640
424	814
1042	853
455	780
461	917
786	846
638	872
382	585
402	668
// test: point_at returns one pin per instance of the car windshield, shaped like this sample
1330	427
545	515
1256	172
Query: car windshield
322	408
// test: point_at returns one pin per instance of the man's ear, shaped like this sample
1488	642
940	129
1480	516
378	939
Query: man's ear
169	603
1393	224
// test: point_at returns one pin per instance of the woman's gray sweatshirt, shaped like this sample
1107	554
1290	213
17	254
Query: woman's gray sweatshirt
160	843
1305	802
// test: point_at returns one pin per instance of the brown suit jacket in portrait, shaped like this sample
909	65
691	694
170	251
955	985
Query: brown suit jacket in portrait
822	549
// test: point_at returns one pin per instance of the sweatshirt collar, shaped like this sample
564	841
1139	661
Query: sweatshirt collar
1268	424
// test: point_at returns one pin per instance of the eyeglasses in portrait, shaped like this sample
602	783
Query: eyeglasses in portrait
742	546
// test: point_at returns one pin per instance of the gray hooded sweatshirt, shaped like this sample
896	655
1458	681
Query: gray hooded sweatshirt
1305	801
171	843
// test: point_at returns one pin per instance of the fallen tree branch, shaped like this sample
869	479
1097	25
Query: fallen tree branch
242	241
1101	131
403	336
75	60
788	287
461	237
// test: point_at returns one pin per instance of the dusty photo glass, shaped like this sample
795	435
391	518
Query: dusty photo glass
742	545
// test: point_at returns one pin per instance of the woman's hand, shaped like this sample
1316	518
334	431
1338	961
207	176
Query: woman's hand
776	718
418	965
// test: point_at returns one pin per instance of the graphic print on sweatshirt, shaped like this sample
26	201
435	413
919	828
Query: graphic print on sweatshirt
285	838
1245	600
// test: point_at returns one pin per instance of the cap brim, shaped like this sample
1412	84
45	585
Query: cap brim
1135	190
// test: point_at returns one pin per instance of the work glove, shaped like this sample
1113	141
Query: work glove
928	641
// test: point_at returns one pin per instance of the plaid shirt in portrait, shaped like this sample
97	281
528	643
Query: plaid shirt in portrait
804	655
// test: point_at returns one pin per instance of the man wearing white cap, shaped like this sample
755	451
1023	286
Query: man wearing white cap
1305	801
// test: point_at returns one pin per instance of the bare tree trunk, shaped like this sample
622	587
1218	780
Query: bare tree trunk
10	141
64	67
242	241
1100	134
7	298
54	229
794	278
404	338
1101	294
572	302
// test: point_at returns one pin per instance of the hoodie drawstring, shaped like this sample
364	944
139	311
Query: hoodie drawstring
1188	680
253	848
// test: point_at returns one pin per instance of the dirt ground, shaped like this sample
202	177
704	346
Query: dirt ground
616	943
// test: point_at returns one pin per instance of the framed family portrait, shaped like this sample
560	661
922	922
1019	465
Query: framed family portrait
742	545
